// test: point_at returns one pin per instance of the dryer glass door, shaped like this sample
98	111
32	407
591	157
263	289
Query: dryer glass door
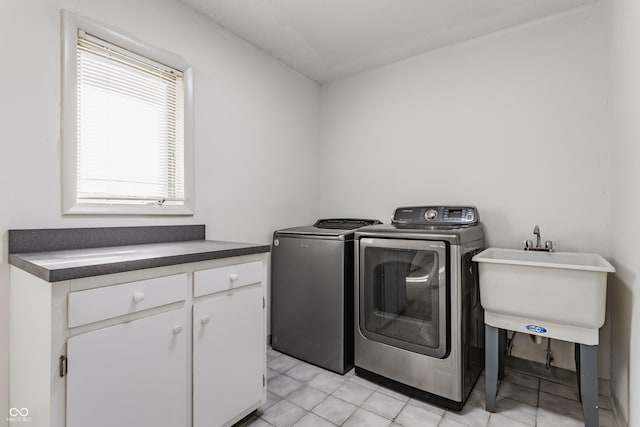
403	294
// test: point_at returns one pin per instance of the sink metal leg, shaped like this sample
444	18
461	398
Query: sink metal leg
587	370
492	366
502	352
576	357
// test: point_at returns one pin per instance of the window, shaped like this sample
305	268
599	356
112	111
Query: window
126	125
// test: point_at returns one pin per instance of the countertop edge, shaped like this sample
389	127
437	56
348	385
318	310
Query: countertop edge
63	274
29	267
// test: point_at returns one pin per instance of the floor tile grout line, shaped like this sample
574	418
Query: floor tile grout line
320	416
400	411
325	398
335	397
360	406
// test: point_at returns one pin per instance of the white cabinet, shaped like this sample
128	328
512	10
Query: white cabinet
131	374
176	346
228	356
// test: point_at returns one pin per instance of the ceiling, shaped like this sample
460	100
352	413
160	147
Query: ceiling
330	39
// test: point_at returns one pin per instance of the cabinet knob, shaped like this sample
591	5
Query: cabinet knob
205	320
177	329
138	296
233	277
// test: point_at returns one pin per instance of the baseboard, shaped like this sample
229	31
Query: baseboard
617	413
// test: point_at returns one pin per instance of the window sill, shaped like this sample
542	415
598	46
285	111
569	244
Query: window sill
104	209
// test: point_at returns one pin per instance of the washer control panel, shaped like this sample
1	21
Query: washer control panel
436	215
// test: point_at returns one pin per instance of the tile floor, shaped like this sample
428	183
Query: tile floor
302	395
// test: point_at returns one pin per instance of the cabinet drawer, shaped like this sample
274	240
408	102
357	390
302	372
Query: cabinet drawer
110	301
223	278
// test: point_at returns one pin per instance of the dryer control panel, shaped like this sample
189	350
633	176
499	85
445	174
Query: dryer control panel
436	215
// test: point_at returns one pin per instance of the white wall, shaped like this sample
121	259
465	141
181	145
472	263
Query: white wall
516	123
625	204
255	128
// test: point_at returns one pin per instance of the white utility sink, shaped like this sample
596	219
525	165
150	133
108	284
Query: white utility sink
554	294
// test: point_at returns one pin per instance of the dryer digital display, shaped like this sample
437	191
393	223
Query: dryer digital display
436	215
455	214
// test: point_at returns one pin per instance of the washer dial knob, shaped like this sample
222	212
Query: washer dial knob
431	214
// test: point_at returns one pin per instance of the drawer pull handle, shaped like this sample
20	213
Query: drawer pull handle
205	320
177	329
138	297
233	277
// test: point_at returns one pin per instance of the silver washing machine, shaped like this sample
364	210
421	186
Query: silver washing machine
312	288
419	324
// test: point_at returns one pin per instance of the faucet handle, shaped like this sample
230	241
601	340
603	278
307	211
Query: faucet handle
548	244
528	244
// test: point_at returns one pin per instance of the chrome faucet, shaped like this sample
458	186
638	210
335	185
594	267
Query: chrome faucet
528	244
536	231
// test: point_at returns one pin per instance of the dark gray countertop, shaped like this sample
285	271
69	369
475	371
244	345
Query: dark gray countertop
55	266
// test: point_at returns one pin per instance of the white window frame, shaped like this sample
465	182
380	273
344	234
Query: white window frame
71	24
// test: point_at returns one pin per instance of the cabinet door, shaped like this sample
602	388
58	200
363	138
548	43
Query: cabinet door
229	354
130	375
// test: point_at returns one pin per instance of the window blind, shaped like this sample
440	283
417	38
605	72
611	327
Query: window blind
130	119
